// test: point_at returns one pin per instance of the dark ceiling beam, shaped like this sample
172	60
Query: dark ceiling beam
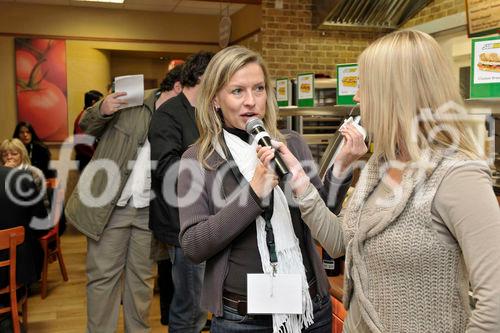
246	2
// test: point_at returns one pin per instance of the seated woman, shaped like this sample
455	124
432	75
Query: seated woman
21	205
15	155
235	221
38	152
423	222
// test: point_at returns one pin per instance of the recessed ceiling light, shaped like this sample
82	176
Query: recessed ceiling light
110	1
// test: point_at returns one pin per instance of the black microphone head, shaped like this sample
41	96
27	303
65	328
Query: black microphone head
252	123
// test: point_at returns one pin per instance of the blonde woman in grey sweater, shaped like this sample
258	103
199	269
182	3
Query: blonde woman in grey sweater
423	223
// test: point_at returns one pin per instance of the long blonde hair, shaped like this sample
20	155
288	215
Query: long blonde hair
17	145
408	93
218	73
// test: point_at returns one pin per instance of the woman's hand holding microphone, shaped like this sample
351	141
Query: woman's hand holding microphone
354	147
264	179
299	179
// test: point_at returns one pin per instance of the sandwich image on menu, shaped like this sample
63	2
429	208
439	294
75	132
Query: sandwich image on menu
489	62
350	81
305	87
485	68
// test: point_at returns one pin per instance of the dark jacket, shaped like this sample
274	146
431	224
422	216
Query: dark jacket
40	156
83	152
173	129
29	253
207	230
120	137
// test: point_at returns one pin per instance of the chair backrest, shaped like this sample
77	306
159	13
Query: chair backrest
8	235
51	183
10	239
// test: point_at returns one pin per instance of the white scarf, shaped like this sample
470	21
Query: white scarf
287	244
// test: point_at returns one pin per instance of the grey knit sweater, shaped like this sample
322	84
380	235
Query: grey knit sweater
410	273
404	277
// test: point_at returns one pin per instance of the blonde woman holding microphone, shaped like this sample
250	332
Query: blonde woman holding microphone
423	222
232	218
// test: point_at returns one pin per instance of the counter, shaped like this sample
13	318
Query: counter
338	310
337	286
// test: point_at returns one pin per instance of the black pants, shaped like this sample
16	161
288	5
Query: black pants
166	286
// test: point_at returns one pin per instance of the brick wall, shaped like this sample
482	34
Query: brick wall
291	46
253	43
436	9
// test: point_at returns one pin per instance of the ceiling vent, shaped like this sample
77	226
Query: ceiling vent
364	15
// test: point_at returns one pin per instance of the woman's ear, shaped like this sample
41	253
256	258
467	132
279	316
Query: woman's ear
215	103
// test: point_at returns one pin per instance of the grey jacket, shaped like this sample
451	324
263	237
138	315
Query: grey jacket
208	230
120	137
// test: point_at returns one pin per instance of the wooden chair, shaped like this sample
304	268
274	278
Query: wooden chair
51	243
9	240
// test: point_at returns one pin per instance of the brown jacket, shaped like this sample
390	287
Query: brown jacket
208	230
120	137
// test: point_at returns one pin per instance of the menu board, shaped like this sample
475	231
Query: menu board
282	93
485	68
305	89
483	17
347	83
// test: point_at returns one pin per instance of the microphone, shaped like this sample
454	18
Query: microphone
255	127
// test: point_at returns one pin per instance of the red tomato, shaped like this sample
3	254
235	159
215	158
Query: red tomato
54	67
25	62
45	108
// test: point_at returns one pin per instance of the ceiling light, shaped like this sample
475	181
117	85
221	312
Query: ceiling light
110	1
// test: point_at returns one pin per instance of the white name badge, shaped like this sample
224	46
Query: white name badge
267	294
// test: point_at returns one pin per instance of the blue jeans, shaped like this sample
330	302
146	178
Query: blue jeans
186	315
232	322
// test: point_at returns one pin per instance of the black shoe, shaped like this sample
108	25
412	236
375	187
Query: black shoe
164	320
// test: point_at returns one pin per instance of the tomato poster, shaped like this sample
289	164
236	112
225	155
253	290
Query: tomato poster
41	86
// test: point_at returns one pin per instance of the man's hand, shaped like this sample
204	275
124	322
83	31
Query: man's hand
112	103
